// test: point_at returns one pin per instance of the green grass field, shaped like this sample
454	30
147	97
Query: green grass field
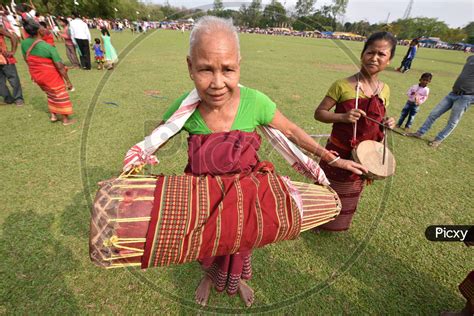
383	265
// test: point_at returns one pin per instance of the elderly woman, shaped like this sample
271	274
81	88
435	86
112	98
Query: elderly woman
48	71
223	139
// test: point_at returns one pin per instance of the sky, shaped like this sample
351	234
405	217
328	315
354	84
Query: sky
455	13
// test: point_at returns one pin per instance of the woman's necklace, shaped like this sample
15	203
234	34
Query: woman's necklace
368	84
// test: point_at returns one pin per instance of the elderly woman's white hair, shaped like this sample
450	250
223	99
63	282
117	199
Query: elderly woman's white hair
210	25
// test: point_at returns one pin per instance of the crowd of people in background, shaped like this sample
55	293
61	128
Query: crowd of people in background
38	35
74	32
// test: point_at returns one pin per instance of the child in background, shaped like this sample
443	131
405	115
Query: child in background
410	55
417	95
99	54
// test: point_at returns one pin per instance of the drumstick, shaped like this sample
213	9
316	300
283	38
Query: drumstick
384	144
383	125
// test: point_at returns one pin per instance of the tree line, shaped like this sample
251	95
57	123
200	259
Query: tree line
304	17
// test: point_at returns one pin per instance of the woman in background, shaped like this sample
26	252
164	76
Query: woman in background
372	95
48	71
111	57
70	48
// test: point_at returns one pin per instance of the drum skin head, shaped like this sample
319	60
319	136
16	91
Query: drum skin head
369	153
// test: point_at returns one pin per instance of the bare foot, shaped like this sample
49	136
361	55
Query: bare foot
246	293
67	122
203	290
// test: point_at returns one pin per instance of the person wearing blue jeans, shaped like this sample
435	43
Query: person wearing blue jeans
417	95
458	101
410	109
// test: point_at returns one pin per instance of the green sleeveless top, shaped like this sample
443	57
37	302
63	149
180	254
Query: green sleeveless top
255	109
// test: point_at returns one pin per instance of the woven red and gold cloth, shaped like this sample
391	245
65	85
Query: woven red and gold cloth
160	220
199	217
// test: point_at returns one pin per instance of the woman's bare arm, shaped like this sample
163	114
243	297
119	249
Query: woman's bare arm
324	114
302	139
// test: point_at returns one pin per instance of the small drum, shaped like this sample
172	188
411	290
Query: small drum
153	221
369	153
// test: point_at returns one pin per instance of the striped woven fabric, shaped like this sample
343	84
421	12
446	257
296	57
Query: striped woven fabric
58	99
201	217
158	221
467	290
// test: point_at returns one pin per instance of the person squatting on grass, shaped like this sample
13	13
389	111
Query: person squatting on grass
47	71
458	101
417	95
373	97
228	114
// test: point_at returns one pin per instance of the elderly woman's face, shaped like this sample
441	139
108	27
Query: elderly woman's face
215	69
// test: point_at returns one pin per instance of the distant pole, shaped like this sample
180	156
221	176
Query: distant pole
138	23
388	17
408	10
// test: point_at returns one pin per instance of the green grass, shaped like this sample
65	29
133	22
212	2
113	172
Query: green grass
383	264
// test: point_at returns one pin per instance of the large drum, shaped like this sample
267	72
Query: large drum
370	154
160	220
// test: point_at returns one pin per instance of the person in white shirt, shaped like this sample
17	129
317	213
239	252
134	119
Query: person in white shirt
81	38
14	24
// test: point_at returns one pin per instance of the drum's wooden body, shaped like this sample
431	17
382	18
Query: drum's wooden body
369	153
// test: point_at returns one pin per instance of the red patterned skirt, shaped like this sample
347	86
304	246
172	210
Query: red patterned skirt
45	74
349	192
348	186
227	271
